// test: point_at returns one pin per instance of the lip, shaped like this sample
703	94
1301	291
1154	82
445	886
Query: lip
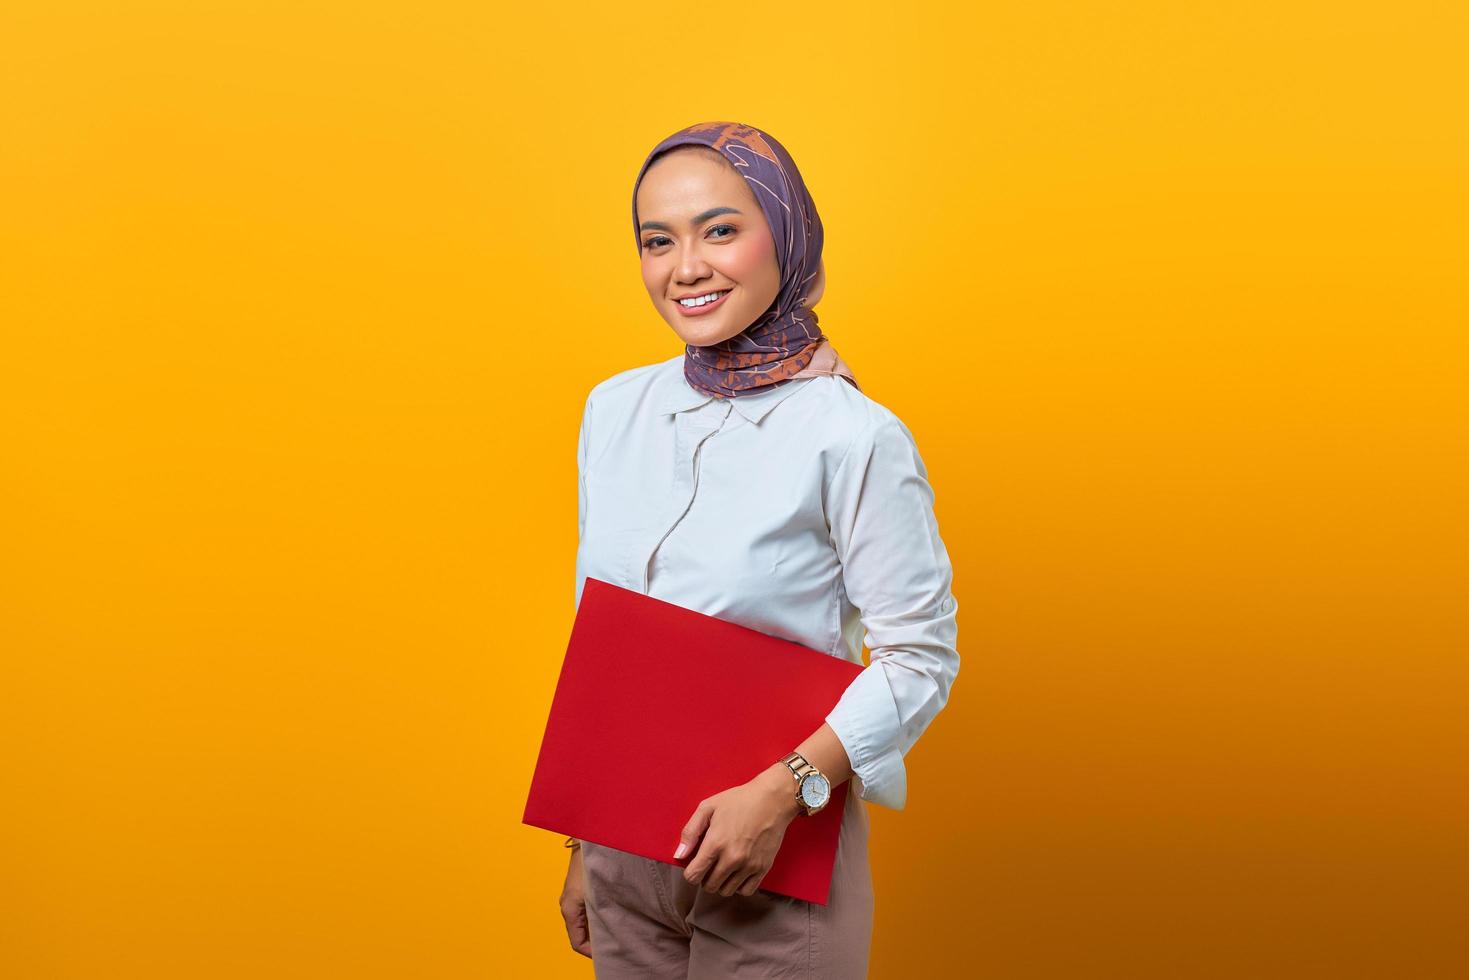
702	310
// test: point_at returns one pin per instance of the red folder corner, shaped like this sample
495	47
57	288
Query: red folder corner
659	706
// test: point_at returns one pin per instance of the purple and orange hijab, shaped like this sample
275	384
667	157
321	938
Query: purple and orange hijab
785	342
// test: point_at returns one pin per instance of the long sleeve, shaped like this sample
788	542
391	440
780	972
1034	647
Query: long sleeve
897	573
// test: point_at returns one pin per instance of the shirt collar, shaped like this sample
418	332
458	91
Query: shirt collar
680	396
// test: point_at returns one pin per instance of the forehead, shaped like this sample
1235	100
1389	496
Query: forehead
682	179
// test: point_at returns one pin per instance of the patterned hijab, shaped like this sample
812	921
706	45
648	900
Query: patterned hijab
785	342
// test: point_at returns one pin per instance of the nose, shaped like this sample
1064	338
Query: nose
691	265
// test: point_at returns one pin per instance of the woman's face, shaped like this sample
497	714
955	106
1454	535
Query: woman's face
703	232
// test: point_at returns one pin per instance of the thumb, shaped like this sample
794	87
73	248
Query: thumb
693	830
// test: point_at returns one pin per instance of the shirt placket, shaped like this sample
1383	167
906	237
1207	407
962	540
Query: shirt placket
691	431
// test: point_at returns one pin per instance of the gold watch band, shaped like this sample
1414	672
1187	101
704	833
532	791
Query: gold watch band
799	765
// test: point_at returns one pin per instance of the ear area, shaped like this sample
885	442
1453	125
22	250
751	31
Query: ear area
819	286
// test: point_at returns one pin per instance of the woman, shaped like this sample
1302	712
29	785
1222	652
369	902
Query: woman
798	506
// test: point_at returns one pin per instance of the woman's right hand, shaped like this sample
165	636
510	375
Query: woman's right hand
574	905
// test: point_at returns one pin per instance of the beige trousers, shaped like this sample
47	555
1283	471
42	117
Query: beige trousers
647	923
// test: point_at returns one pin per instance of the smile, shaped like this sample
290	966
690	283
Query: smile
700	305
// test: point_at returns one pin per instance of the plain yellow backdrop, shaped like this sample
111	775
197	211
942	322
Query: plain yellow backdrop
300	303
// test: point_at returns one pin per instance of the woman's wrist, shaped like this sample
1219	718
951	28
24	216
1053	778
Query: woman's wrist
779	782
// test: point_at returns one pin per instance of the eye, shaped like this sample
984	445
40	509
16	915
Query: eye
658	241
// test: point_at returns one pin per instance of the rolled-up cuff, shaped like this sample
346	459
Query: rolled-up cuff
866	723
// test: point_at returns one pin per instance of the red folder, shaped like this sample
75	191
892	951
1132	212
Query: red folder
659	706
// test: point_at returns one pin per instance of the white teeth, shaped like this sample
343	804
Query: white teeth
701	300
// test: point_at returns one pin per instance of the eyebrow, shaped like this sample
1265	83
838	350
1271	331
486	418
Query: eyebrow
694	222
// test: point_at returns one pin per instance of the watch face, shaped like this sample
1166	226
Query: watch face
815	790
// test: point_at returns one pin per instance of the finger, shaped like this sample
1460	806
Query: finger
577	931
736	880
703	862
751	884
580	935
688	838
720	877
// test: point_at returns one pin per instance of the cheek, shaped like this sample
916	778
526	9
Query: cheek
753	262
652	277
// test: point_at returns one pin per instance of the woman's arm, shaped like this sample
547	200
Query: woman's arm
897	573
824	751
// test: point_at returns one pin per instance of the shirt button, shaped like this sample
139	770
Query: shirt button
947	604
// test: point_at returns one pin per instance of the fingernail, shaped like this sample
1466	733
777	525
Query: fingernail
682	850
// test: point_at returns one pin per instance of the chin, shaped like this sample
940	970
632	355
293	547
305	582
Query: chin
700	335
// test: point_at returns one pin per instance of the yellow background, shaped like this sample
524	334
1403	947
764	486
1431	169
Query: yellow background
300	304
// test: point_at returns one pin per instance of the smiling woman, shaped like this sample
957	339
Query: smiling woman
721	208
751	479
692	250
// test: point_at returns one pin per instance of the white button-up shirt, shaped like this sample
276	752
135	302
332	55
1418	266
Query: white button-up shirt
802	511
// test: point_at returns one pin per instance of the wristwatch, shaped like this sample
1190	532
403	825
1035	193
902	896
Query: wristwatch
813	789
